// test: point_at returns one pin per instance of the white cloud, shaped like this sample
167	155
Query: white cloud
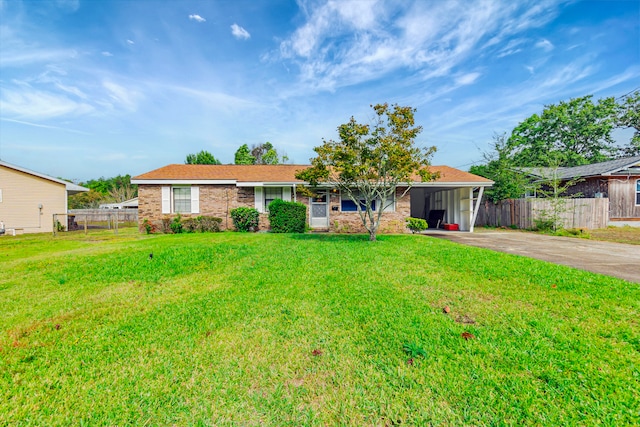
511	48
35	104
39	125
107	53
197	18
68	5
19	58
130	41
124	97
347	43
467	79
227	102
545	45
239	32
567	75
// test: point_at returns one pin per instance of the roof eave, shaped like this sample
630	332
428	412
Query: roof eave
184	181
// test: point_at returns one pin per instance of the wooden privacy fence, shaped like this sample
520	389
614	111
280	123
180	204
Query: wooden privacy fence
522	213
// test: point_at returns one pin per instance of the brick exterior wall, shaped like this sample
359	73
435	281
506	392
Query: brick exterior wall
219	200
215	200
350	222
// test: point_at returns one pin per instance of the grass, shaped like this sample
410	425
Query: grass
625	234
277	330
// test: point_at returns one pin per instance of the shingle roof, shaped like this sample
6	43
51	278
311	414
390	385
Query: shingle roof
596	169
270	173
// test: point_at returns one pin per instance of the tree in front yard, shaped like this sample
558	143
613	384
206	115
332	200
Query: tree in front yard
369	162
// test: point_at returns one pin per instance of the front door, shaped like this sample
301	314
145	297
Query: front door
319	210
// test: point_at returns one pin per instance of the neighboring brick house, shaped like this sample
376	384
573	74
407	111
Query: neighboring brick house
618	180
214	190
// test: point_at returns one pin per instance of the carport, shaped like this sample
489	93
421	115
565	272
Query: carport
460	201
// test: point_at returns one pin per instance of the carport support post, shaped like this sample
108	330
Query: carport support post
475	208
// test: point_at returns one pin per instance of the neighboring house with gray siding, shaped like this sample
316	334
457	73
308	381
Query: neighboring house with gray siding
618	180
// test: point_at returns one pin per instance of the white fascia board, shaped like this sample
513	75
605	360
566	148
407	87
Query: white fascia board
450	184
184	181
267	184
620	171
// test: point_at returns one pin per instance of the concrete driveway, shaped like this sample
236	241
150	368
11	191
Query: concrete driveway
613	259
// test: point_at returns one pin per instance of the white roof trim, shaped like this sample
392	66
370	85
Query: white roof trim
267	184
287	184
183	181
70	186
614	171
452	184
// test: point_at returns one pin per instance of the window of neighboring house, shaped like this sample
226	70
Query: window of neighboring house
0	195
638	192
182	199
530	193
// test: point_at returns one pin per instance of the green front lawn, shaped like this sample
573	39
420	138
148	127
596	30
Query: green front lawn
276	330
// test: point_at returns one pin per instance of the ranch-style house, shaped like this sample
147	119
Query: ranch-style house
214	190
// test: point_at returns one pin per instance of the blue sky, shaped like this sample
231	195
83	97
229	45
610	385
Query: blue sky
94	88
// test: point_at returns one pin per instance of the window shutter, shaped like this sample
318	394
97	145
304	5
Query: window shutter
195	200
286	194
259	199
166	200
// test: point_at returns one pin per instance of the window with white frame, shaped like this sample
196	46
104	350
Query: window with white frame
271	194
180	199
638	192
266	195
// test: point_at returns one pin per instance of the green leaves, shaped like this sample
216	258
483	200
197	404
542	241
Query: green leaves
413	350
572	133
500	167
243	156
370	161
202	158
